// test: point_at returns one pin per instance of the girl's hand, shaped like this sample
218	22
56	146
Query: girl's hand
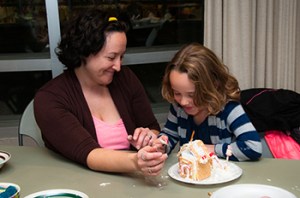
161	144
142	137
210	148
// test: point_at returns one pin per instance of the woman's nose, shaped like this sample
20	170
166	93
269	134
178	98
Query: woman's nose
117	65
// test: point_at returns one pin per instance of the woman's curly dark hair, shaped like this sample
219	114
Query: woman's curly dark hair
86	35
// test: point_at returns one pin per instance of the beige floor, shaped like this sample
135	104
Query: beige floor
9	132
13	141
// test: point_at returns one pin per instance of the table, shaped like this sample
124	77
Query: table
36	169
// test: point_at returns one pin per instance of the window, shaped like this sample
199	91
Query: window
28	39
152	23
23	27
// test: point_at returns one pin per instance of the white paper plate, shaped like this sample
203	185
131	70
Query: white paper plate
4	157
232	172
58	193
252	191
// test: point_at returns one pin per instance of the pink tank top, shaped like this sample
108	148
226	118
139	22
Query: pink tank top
112	136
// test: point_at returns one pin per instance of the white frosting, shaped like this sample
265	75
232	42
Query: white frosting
220	171
194	152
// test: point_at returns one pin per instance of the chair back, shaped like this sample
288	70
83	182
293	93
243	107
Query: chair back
29	127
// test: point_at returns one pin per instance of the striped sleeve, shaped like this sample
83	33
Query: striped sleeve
171	127
247	145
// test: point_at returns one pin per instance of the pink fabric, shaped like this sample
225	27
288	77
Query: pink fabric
112	136
282	145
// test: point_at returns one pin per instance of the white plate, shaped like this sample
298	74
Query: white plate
58	193
231	172
4	157
252	191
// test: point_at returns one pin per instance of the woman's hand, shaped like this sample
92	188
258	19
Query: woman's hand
150	162
142	137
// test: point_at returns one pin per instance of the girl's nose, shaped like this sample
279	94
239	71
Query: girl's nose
184	101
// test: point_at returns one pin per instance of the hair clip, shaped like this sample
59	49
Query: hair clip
112	19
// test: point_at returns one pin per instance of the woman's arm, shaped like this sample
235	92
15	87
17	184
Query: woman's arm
147	161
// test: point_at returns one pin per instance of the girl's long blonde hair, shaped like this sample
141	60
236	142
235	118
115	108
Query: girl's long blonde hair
214	85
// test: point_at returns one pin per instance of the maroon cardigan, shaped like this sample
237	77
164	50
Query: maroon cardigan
66	122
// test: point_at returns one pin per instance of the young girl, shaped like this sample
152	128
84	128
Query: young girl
205	105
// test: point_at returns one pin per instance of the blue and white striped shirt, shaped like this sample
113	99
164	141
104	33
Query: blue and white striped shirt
231	126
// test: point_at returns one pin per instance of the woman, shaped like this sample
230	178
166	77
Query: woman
205	105
95	112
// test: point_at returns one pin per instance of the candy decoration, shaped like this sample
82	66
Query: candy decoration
228	152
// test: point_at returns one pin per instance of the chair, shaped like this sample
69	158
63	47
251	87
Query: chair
29	127
266	152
